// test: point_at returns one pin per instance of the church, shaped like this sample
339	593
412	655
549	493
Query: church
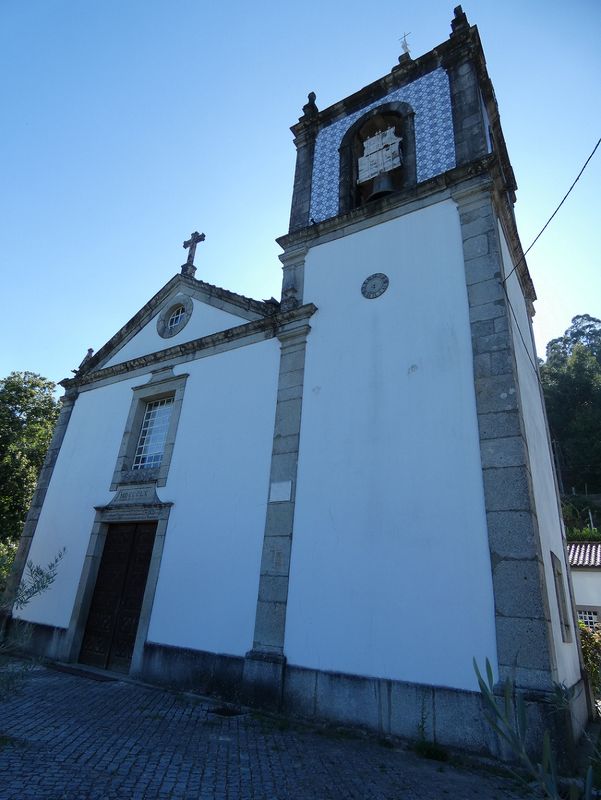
333	503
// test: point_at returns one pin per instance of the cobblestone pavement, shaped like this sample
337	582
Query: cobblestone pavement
70	737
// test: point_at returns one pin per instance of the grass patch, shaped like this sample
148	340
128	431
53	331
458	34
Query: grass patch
384	741
430	750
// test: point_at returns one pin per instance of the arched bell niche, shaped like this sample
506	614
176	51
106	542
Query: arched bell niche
396	117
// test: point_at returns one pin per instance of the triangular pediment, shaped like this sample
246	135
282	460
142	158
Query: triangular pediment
199	309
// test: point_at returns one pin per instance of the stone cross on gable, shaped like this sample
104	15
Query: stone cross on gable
190	245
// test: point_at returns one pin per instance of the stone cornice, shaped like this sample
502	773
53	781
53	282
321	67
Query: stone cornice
265	308
399	76
207	292
508	223
268	326
456	48
424	190
487	168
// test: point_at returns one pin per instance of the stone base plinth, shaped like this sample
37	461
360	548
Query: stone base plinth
263	679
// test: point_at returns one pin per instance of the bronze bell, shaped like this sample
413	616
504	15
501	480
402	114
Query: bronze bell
381	186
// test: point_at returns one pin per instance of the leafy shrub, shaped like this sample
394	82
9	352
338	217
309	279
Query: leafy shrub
591	655
8	551
508	718
583	535
36	579
575	510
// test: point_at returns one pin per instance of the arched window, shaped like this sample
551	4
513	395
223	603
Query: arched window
387	126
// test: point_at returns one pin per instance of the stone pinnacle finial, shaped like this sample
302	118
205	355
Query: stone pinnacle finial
310	109
87	356
190	245
459	22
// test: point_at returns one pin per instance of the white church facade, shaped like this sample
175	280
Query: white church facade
333	503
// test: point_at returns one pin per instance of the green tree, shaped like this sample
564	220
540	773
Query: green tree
584	330
28	411
571	379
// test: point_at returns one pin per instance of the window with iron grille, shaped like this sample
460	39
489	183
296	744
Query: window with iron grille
153	434
150	430
588	617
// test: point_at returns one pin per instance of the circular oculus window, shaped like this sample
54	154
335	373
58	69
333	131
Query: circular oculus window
375	285
174	317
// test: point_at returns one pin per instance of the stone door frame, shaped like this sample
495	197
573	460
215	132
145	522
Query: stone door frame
106	516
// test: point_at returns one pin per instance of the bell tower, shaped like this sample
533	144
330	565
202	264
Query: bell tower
412	469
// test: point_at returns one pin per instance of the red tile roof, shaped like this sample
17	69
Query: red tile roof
584	554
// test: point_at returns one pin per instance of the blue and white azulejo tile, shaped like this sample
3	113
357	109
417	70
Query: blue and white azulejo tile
430	99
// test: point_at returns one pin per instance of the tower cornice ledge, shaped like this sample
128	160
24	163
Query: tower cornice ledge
485	174
461	46
424	193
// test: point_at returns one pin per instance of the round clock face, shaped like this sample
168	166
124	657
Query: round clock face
375	285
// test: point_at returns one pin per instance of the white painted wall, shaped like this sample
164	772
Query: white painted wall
80	481
207	591
390	572
204	321
587	587
541	466
218	482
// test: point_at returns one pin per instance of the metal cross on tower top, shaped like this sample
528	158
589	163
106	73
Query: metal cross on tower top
405	43
190	245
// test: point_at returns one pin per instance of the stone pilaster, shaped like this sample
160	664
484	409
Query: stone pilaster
525	646
466	103
293	279
264	664
68	401
305	134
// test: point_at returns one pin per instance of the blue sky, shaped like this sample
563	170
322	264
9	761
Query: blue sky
127	125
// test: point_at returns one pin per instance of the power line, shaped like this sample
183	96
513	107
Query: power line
517	324
554	213
504	281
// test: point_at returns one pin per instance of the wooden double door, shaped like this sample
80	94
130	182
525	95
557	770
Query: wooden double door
112	624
